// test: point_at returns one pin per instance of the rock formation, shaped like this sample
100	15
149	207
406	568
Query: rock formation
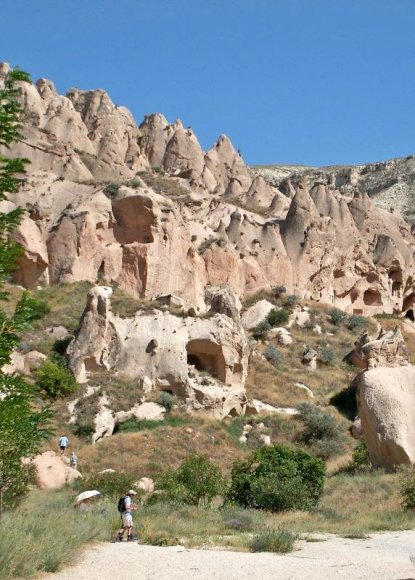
201	360
52	471
386	398
146	208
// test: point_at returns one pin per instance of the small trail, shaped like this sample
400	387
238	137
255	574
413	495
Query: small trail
385	556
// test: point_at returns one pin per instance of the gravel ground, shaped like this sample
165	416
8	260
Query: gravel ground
384	556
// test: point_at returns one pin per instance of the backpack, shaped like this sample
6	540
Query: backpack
121	504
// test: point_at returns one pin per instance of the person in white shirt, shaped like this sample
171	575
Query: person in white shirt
127	516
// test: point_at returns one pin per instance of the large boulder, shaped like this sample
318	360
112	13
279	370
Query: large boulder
52	472
386	403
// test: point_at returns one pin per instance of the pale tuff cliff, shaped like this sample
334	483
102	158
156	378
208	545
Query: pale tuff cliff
146	208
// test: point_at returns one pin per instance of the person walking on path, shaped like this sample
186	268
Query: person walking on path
126	508
63	443
73	460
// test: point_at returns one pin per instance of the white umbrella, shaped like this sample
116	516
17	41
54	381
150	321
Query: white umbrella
87	495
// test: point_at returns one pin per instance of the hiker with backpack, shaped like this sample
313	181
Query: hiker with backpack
126	507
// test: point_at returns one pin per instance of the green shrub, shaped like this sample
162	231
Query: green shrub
326	355
262	329
278	291
317	424
277	478
167	401
236	518
111	189
355	322
360	462
280	541
278	317
273	356
337	317
38	308
54	380
407	489
291	301
321	432
196	481
111	485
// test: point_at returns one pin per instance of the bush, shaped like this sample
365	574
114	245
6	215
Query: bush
355	322
262	329
55	380
407	489
337	317
111	485
360	461
278	291
111	189
167	401
236	518
38	308
321	432
196	481
291	301
317	424
278	317
280	541
273	356
277	478
326	355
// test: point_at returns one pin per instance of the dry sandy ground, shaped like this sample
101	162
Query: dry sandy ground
381	557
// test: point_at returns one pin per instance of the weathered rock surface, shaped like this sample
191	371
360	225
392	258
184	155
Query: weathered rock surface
52	472
386	349
318	237
386	403
172	352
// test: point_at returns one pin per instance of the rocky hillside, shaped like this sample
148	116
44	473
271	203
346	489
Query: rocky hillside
146	209
388	183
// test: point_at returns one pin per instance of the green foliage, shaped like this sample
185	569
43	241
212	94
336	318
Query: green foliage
407	489
355	322
278	291
273	356
46	532
337	317
197	481
23	426
278	317
111	189
144	424
321	431
291	301
167	401
55	380
277	478
111	485
326	355
360	462
279	541
262	329
236	518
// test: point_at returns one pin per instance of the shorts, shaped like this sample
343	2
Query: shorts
63	447
127	520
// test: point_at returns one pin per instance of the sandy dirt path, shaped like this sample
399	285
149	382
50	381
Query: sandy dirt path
381	557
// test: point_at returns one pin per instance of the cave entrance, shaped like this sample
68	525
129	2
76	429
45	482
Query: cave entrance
410	314
372	298
207	356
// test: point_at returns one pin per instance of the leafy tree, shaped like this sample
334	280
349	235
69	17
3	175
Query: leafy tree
55	380
23	425
196	481
277	478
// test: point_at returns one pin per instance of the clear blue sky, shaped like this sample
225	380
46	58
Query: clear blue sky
290	81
